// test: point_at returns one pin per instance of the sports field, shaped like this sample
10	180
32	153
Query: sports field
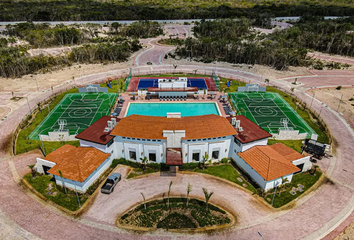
269	111
76	112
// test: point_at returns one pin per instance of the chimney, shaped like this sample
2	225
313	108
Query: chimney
114	121
240	129
110	125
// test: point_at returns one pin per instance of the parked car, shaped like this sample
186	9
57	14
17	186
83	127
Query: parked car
110	183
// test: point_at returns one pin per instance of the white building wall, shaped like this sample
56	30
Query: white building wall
122	146
261	142
277	182
305	161
42	162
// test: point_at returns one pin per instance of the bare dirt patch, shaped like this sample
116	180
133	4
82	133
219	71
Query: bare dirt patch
264	71
332	97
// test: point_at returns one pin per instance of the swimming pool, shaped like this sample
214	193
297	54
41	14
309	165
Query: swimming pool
161	109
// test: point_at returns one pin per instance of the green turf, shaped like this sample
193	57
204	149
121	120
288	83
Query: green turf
78	110
267	110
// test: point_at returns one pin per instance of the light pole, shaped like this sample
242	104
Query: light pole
312	98
340	101
77	196
29	105
260	235
276	187
35	78
320	110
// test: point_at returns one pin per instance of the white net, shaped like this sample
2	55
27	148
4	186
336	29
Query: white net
62	124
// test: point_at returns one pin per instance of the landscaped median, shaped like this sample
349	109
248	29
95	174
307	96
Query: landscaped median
173	213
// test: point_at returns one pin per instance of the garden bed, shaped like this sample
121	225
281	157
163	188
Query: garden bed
175	215
300	183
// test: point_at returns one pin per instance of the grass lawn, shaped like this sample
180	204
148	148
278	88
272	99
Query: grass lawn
233	85
294	144
318	128
114	88
228	172
69	201
24	144
306	179
138	172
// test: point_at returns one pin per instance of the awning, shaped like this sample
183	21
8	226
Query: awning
212	93
174	157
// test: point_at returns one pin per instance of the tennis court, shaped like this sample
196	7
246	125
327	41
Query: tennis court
146	83
75	112
269	111
137	83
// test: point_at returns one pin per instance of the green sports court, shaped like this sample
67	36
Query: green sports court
75	112
269	111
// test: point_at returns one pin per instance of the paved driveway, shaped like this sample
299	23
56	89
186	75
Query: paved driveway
127	193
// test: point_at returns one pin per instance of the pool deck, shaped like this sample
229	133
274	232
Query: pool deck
140	99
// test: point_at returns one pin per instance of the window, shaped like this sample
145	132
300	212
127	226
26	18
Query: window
152	157
196	156
110	143
237	142
132	155
215	154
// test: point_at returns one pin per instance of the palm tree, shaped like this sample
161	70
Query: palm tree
283	182
144	200
168	194
189	189
62	180
207	197
143	163
205	158
32	170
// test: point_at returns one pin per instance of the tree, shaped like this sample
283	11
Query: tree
284	181
62	180
115	26
143	163
33	172
189	189
144	200
168	194
174	68
205	159
207	197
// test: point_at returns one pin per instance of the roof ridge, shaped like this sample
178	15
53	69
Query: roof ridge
268	170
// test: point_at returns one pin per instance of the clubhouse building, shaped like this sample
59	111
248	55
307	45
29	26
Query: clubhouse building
173	140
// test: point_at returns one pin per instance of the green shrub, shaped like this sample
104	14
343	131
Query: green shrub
176	221
114	163
224	160
189	166
339	87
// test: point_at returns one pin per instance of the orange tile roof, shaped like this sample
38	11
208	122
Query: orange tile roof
76	163
269	162
196	127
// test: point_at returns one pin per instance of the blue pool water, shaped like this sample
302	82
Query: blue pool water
161	109
193	82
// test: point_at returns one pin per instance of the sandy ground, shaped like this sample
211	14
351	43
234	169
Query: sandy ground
348	233
2	112
264	71
331	97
